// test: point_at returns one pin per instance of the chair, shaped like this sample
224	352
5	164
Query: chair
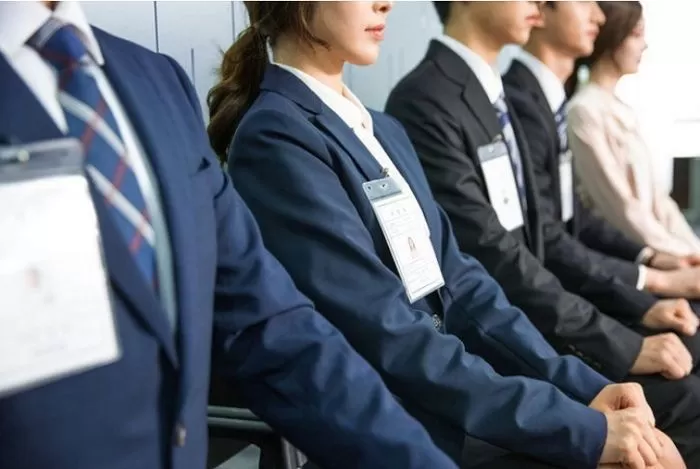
232	428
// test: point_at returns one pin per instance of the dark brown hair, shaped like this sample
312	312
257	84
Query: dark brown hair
243	65
620	20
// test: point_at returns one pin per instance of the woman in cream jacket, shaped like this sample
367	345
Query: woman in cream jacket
612	161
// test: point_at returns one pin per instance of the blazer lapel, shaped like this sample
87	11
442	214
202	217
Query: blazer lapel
479	105
126	277
335	128
23	117
473	94
144	103
528	83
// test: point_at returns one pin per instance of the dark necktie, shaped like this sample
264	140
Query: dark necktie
512	144
91	121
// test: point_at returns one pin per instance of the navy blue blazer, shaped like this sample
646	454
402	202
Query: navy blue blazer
301	168
148	410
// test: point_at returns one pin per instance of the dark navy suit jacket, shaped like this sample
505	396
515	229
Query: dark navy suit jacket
301	168
148	410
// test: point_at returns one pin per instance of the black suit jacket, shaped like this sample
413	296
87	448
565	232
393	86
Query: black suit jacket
448	116
587	246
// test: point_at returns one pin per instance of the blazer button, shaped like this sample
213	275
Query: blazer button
180	435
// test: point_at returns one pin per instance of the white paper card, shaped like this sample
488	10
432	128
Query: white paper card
55	311
566	186
403	224
501	185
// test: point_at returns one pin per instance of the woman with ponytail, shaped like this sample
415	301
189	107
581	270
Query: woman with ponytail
308	156
612	159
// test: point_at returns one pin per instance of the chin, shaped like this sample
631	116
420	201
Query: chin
520	39
364	57
585	50
631	70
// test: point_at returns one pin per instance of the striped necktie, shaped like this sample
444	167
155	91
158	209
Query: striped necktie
91	121
560	120
512	144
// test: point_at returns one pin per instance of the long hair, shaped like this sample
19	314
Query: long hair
620	20
243	65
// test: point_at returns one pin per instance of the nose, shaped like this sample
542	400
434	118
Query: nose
598	15
383	7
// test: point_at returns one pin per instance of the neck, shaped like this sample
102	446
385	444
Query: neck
471	35
315	61
605	75
51	5
560	64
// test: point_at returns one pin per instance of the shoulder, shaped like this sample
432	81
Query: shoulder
273	121
163	70
139	55
390	126
424	83
586	107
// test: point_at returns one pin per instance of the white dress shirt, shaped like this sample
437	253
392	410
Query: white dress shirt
488	76
18	22
555	93
356	116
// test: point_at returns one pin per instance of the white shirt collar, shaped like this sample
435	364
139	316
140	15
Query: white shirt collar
551	85
345	105
20	20
488	76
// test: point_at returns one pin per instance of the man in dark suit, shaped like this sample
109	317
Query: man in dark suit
535	84
454	111
202	265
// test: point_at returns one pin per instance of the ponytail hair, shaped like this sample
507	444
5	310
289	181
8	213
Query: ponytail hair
244	63
241	72
621	17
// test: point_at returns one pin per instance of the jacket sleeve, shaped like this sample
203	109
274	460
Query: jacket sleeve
605	181
294	369
618	253
568	322
579	268
283	169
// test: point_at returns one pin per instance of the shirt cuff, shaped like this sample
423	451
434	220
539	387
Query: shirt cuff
642	279
644	255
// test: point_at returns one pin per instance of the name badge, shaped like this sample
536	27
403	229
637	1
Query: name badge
55	310
501	185
566	185
403	225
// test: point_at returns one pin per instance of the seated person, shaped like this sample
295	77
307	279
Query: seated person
343	203
144	406
575	237
453	108
613	163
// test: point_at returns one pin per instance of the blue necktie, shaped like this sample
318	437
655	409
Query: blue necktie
560	119
91	121
512	144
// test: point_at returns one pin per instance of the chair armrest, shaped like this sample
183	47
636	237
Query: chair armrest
236	418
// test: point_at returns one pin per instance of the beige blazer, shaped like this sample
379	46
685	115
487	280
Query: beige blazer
616	176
